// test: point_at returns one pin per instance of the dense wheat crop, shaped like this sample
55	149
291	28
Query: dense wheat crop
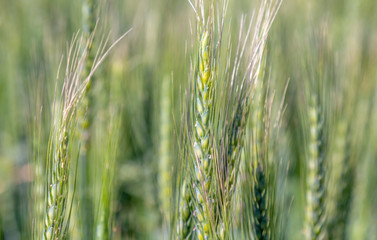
188	119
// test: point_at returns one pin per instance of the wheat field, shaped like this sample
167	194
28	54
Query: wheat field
188	119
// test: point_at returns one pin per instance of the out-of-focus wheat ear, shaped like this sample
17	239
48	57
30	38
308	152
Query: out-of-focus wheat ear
260	206
235	146
164	163
39	190
202	149
185	217
39	174
260	214
341	183
257	107
315	220
89	19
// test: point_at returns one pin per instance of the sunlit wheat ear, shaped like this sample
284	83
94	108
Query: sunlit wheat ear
246	89
202	149
315	180
59	156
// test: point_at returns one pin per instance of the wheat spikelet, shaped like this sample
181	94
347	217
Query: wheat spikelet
260	215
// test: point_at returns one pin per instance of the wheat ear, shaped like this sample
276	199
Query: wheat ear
315	193
341	185
59	153
59	150
202	136
164	179
185	213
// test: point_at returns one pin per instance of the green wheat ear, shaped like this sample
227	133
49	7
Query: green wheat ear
260	203
202	149
164	180
315	220
185	219
341	185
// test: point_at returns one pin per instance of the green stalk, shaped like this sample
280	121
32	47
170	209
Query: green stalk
107	163
86	118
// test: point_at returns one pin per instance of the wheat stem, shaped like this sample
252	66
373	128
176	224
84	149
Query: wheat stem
86	118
